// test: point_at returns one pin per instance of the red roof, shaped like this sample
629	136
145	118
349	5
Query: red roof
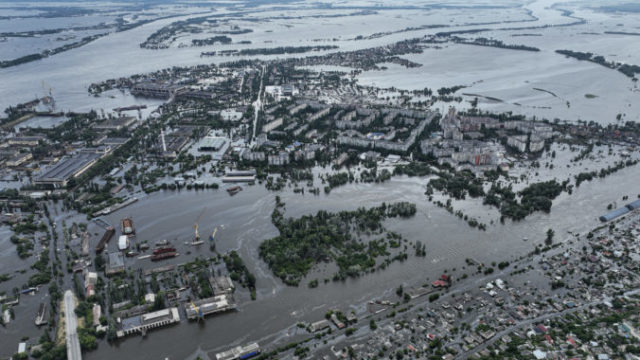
548	338
542	328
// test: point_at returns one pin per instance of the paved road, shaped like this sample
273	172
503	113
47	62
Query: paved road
71	323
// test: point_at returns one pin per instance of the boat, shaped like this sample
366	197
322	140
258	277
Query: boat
144	246
194	243
127	226
163	250
162	256
162	242
213	234
131	253
105	239
234	190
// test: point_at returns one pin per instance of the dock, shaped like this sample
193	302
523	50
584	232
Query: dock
109	209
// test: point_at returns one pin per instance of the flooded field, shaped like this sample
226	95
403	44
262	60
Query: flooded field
507	75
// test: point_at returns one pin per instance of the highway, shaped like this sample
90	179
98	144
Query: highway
71	323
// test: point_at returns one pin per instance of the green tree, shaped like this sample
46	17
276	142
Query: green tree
549	240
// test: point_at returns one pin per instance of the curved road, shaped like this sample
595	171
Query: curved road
71	327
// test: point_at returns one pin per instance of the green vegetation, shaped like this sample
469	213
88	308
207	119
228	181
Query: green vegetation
481	41
627	69
221	39
337	179
327	237
588	176
239	272
535	197
458	185
413	169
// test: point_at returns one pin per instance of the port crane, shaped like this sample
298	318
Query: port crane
195	226
197	310
48	98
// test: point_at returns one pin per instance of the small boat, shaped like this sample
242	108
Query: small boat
234	190
131	253
213	234
525	239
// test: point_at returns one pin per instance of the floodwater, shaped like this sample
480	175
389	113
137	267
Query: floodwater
505	74
244	222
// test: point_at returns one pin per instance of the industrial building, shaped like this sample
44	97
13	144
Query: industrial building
59	175
634	205
239	352
221	285
319	325
614	214
115	264
18	159
148	321
116	123
211	144
154	90
26	140
208	306
233	176
620	211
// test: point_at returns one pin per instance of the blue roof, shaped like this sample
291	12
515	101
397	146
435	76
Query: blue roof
614	214
634	205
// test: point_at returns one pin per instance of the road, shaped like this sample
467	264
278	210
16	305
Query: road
257	105
71	324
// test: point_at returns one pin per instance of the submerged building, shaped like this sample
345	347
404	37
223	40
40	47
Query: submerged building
148	321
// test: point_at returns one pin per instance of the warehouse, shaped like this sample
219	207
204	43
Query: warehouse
148	321
115	124
211	144
212	305
634	205
614	214
58	175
